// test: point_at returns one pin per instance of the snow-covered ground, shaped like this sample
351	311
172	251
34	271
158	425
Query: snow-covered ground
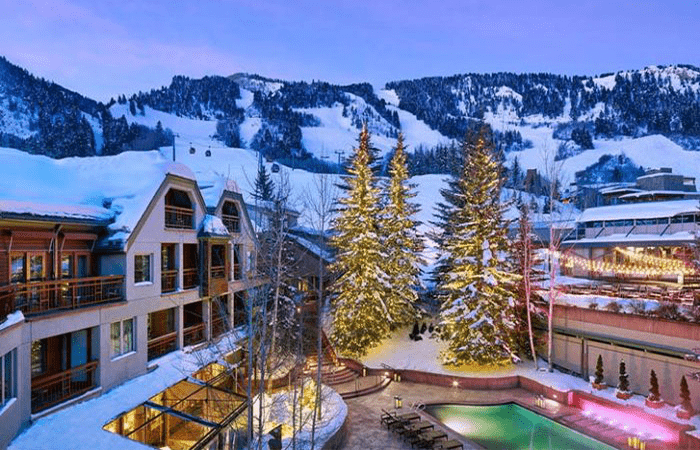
400	352
85	420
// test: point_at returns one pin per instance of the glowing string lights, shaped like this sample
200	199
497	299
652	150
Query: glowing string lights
650	265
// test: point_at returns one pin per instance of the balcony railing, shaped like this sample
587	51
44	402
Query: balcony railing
177	217
233	223
190	278
50	390
55	295
168	280
193	334
161	345
218	271
219	325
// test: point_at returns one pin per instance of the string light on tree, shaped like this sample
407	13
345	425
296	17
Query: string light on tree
657	268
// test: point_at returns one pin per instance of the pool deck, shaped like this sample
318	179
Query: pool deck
365	432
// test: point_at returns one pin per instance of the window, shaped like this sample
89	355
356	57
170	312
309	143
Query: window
168	268
230	217
7	378
218	261
67	266
17	267
237	269
36	267
38	357
142	268
122	337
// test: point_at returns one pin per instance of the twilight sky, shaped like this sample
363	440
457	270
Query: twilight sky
104	48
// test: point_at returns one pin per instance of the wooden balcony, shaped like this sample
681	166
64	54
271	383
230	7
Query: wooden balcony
219	325
193	334
178	217
233	223
190	278
161	345
168	281
50	390
56	295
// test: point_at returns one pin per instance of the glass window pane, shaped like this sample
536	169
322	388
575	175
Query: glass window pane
67	266
116	341
128	338
17	265
82	266
36	267
8	376
38	357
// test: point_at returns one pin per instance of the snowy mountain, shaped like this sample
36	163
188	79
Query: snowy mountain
635	115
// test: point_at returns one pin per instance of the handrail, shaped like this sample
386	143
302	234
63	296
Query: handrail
162	344
52	295
178	217
190	278
168	280
55	388
218	271
193	334
233	223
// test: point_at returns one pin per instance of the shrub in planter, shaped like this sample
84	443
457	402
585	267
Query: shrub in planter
685	409
654	400
623	387
599	381
613	307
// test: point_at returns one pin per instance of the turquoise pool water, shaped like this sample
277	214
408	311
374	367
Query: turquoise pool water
510	426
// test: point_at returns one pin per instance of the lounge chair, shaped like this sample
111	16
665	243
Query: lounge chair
448	445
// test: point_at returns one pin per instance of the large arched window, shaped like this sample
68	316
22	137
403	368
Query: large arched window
178	210
231	217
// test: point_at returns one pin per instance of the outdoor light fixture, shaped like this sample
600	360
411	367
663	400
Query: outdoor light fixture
364	371
455	383
398	402
386	374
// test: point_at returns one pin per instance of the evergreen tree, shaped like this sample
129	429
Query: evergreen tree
475	286
401	242
624	384
264	187
654	394
685	395
359	311
599	378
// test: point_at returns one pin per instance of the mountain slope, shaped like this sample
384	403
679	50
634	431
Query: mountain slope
301	124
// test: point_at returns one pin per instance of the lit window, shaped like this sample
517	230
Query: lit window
142	268
122	337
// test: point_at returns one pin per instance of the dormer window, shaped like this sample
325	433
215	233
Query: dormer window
231	217
178	210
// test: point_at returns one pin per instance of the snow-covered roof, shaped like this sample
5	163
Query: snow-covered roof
213	226
642	194
212	192
618	189
313	247
636	239
76	212
648	210
117	188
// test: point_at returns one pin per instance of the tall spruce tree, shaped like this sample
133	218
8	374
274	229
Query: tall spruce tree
359	310
264	187
476	286
401	242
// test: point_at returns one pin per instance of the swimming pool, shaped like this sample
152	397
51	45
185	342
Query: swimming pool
510	426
